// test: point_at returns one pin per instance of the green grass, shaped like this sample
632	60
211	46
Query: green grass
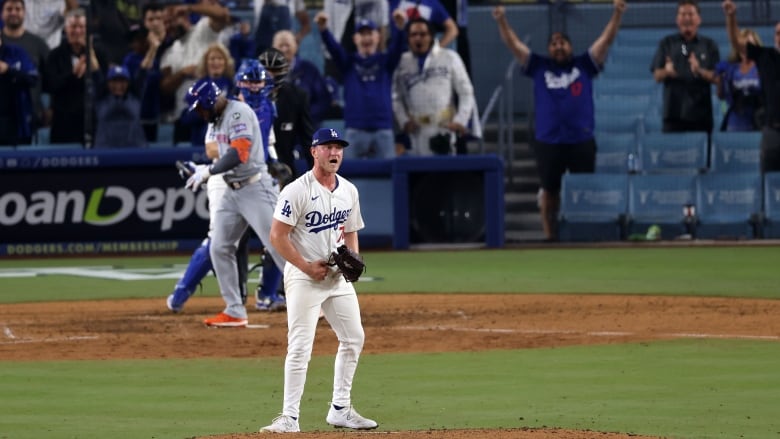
686	389
682	389
710	271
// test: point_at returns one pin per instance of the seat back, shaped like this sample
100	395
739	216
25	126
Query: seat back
660	200
615	70
612	104
728	204
673	152
594	197
736	151
772	205
660	197
628	87
613	151
607	122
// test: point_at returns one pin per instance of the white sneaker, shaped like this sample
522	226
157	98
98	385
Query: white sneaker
282	424
349	418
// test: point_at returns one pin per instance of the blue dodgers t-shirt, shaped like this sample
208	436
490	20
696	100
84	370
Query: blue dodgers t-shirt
564	98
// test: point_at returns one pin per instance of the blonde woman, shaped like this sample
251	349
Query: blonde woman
739	85
217	65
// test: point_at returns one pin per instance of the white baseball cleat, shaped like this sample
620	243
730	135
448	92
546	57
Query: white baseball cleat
348	417
282	424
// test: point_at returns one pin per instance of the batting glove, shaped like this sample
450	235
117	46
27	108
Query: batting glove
199	176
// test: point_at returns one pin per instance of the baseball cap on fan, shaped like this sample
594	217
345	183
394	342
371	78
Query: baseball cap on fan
327	135
365	23
118	72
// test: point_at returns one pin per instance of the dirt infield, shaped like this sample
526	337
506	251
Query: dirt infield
393	323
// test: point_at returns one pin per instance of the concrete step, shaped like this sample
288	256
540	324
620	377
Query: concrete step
520	236
520	202
521	184
523	221
521	131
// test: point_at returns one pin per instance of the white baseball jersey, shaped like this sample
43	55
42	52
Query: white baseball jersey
430	91
319	217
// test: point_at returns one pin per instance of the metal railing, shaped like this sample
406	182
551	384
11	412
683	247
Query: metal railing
502	102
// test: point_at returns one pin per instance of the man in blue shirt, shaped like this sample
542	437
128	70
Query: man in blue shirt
563	93
17	77
368	78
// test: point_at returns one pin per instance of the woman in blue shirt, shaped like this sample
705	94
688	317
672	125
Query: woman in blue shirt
740	87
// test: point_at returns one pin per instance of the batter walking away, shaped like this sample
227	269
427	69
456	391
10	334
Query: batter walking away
251	196
316	214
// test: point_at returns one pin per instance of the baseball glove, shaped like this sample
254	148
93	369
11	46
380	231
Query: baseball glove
350	264
281	173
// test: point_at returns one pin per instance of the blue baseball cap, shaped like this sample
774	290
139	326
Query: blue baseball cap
365	23
118	72
327	135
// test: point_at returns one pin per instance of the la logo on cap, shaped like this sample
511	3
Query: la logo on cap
333	133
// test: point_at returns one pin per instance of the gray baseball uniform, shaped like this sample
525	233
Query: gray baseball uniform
249	200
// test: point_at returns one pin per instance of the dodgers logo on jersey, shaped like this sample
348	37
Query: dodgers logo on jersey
319	221
563	80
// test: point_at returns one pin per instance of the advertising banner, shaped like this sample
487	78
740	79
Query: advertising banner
96	210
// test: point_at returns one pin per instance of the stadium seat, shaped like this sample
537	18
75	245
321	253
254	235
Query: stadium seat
659	199
593	207
613	150
728	205
627	70
641	37
638	104
607	122
771	226
652	121
635	53
673	152
736	151
626	87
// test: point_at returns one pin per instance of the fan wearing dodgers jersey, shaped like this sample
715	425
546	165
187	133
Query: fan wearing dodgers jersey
563	96
315	214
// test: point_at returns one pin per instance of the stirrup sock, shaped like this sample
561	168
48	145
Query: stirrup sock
271	279
198	268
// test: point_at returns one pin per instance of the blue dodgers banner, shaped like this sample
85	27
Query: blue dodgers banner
59	158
